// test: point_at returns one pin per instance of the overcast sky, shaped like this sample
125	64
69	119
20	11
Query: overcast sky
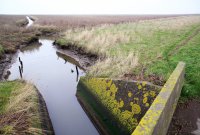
99	6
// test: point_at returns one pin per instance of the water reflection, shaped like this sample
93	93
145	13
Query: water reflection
31	48
69	59
72	61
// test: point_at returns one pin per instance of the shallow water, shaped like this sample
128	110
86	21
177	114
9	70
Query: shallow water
56	78
30	22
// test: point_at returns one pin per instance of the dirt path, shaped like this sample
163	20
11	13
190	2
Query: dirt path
186	119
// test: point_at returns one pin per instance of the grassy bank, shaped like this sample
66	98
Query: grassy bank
19	109
141	49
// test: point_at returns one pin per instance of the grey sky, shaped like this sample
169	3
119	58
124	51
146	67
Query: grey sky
99	6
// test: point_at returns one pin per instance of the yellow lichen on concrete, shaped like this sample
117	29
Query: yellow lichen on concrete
152	93
139	87
130	94
126	101
147	104
105	91
145	100
136	109
144	83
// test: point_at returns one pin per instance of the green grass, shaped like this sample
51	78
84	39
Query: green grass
1	51
189	53
61	42
5	91
143	49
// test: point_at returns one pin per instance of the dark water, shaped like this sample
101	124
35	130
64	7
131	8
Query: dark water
54	74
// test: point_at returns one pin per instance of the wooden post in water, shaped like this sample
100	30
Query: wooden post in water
20	71
77	70
77	74
21	66
21	63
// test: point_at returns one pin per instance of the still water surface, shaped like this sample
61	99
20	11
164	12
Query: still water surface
56	78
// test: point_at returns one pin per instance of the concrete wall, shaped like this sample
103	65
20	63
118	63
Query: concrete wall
157	119
123	103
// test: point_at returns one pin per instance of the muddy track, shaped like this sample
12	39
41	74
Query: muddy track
183	43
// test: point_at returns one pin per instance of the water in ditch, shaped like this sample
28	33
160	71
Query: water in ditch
56	78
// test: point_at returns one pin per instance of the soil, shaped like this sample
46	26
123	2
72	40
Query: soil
4	63
85	59
185	120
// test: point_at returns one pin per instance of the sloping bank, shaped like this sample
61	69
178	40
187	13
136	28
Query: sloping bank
22	109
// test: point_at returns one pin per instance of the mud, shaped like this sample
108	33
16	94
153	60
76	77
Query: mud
4	64
85	59
185	119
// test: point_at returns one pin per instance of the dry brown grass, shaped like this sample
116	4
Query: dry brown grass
149	39
74	21
114	66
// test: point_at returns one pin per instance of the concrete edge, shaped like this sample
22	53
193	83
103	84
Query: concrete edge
157	119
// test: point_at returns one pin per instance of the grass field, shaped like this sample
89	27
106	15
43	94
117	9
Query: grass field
143	49
74	21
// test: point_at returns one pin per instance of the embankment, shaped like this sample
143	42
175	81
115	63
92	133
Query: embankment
22	109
